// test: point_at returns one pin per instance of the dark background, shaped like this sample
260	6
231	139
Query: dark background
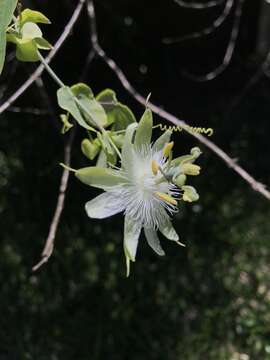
210	300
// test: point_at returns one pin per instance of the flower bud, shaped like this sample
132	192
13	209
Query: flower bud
90	149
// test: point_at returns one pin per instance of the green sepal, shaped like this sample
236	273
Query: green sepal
144	130
102	178
43	44
26	50
28	15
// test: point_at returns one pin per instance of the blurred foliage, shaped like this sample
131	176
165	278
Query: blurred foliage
210	300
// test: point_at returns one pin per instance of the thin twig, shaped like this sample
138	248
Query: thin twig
199	5
206	31
49	244
27	110
52	53
229	51
257	186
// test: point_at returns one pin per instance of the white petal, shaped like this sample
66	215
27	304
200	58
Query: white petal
104	205
168	231
127	149
153	241
131	236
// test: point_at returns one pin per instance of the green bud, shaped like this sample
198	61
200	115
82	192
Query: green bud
66	124
90	149
190	193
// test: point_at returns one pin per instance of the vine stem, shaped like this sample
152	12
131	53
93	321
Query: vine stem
81	106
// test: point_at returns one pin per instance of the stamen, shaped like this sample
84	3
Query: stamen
167	198
154	166
168	148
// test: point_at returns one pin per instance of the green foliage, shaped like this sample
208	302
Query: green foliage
118	114
7	9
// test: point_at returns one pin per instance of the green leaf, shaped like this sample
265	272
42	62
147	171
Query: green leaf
67	102
82	89
7	8
33	16
144	130
92	111
99	177
118	114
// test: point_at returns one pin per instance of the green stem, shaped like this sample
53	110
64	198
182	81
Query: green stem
50	70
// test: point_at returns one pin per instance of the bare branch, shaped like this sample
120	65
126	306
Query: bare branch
49	244
199	5
257	186
28	110
229	51
206	31
52	53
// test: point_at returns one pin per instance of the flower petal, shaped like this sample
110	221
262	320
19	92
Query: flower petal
144	130
99	177
131	236
168	231
127	154
162	141
153	241
104	205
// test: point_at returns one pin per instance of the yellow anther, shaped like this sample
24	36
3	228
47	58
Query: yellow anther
168	148
154	166
191	169
165	197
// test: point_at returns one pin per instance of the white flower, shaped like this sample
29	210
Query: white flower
140	188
